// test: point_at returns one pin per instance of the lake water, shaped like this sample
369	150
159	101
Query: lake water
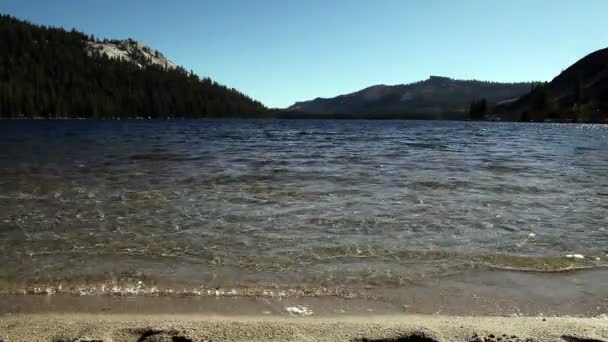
351	209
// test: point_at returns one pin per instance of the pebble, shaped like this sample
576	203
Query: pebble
575	256
298	310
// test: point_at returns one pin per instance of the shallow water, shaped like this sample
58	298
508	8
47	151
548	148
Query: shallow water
294	207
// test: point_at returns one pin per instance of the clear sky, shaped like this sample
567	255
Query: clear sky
282	51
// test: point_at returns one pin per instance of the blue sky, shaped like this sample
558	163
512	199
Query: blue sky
282	51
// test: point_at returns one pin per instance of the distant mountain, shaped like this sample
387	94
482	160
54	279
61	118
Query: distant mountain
578	94
51	72
433	97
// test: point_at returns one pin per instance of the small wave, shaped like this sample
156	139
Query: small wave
570	268
539	264
441	185
422	145
164	157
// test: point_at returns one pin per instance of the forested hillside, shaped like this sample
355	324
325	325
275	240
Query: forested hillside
49	72
578	94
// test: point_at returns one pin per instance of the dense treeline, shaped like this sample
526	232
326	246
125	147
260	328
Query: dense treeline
575	106
48	72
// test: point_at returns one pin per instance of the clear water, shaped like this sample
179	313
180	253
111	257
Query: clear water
307	207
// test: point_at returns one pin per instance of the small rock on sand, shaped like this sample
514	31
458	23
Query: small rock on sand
298	310
575	256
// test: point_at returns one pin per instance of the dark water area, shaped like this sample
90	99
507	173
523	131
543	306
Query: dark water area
297	208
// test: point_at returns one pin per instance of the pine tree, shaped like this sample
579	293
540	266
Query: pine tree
478	109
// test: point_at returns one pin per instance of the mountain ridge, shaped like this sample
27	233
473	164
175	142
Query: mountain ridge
437	94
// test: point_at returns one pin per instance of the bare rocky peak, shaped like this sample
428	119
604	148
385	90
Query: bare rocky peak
130	51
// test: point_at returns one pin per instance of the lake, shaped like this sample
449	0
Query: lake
305	208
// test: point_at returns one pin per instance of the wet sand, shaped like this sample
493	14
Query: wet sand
119	328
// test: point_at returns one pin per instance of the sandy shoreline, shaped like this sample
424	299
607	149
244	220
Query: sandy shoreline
119	328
